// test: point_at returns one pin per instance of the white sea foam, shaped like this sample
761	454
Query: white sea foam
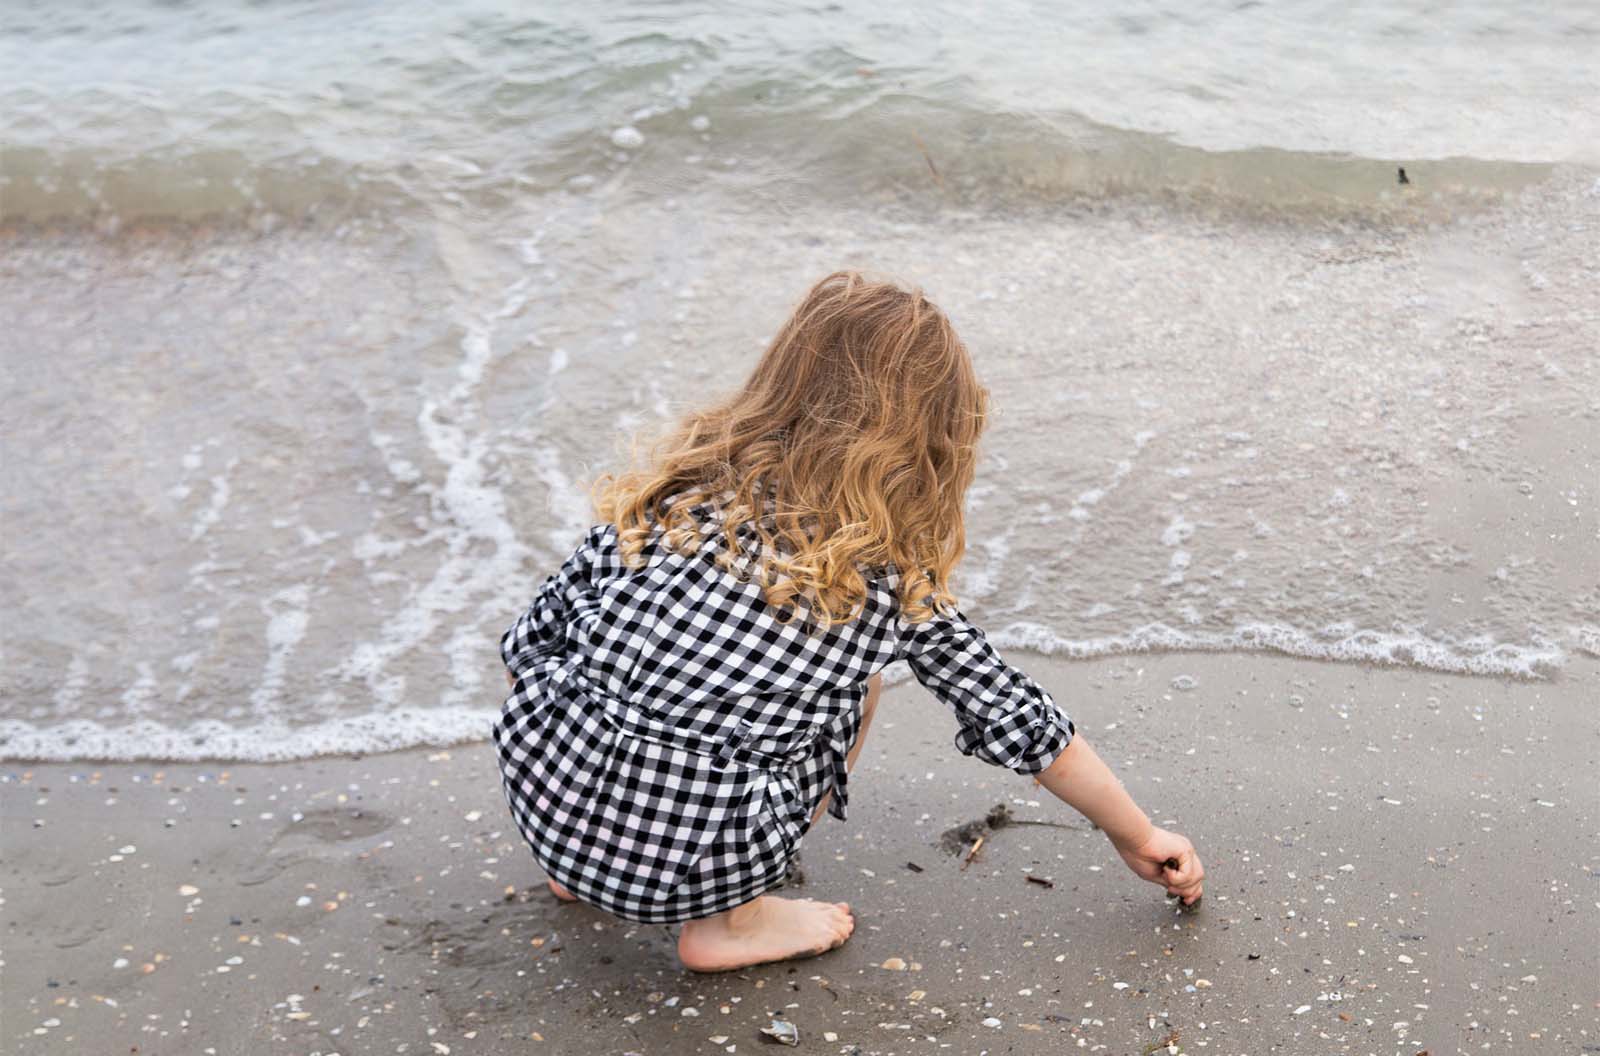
268	741
136	699
286	626
1356	646
468	509
220	493
69	694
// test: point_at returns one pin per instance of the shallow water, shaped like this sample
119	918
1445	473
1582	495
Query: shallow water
287	449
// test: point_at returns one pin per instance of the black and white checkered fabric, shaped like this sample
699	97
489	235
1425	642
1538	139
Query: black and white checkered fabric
668	739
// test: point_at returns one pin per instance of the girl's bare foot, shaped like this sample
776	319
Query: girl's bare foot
767	929
562	893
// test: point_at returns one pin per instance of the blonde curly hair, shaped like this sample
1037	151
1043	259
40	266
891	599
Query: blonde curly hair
849	450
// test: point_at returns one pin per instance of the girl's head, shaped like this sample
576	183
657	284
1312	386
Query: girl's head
850	447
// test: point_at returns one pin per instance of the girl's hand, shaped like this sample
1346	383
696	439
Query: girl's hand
1152	860
511	679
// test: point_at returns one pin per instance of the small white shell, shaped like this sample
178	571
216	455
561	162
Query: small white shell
781	1032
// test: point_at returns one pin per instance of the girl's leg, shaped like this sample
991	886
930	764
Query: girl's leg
562	893
771	928
868	707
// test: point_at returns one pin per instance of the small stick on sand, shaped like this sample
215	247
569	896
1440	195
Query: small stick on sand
973	853
929	159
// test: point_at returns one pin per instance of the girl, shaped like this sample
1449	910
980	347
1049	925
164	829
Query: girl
690	690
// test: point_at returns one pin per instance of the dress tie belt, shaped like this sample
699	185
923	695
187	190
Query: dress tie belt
735	746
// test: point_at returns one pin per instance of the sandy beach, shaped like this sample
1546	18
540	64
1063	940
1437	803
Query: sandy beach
320	321
1398	861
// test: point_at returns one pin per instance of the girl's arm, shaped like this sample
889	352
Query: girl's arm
1081	780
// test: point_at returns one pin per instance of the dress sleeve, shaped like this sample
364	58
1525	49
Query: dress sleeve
1006	718
542	628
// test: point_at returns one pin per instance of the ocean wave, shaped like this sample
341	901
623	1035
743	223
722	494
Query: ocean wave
155	110
889	147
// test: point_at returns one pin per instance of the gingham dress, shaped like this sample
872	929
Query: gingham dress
668	739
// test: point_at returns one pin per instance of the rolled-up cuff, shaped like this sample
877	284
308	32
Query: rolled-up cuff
1058	733
1027	742
519	651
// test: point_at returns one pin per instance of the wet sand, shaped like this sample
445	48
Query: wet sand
1398	861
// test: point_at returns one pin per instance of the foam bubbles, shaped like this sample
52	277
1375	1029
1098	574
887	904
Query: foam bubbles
627	137
286	626
1479	658
266	741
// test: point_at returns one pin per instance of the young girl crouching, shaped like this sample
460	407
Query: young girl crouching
692	687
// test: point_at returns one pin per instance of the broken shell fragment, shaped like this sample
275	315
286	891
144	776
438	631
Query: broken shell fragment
781	1032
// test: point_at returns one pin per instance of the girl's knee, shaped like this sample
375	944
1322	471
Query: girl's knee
874	690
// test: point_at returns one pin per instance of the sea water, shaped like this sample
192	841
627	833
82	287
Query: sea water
319	318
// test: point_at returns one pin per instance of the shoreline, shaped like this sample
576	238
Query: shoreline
358	736
1402	851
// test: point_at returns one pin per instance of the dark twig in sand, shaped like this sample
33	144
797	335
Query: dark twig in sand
1041	881
958	839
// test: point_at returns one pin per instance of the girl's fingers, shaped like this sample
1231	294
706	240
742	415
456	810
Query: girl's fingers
1182	876
1182	871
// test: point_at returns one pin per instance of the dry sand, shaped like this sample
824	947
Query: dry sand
1398	861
